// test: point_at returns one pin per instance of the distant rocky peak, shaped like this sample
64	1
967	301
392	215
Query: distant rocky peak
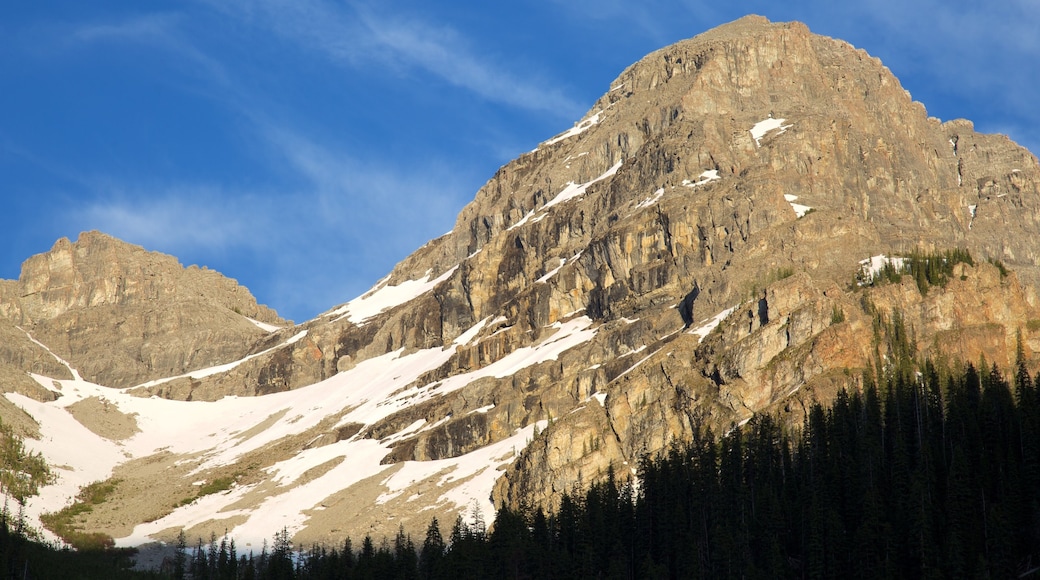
123	315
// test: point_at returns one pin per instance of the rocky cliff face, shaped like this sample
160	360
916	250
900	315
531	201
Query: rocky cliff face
684	257
121	315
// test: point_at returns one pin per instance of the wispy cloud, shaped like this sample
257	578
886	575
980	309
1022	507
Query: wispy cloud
180	219
656	20
383	210
323	239
142	28
355	34
160	31
441	53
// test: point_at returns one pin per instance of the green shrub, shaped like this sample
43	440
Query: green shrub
62	522
216	486
1000	266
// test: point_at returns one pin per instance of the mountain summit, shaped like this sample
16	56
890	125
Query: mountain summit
699	247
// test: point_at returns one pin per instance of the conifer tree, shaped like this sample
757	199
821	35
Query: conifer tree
432	552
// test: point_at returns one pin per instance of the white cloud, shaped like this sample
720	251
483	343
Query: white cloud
653	19
323	239
394	195
160	31
441	53
181	219
143	28
357	35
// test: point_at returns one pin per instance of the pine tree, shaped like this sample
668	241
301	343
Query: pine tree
180	557
280	564
432	551
405	558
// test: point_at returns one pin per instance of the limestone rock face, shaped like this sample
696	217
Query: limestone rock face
708	168
684	257
121	315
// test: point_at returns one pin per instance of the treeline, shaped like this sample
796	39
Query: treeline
26	558
932	475
22	555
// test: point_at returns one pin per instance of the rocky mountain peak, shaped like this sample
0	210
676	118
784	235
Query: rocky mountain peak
123	315
99	270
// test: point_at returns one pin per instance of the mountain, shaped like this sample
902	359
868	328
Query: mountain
699	247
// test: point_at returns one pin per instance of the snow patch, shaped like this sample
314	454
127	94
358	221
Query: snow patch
63	362
638	363
522	221
577	129
705	177
799	209
872	266
705	329
91	458
651	200
411	429
570	191
202	373
552	272
762	127
573	190
470	477
263	325
382	298
468	336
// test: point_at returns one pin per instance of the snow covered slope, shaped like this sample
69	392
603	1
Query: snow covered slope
205	436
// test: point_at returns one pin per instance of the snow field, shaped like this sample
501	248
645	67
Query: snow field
384	297
220	432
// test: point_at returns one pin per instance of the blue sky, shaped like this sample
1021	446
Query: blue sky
304	147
